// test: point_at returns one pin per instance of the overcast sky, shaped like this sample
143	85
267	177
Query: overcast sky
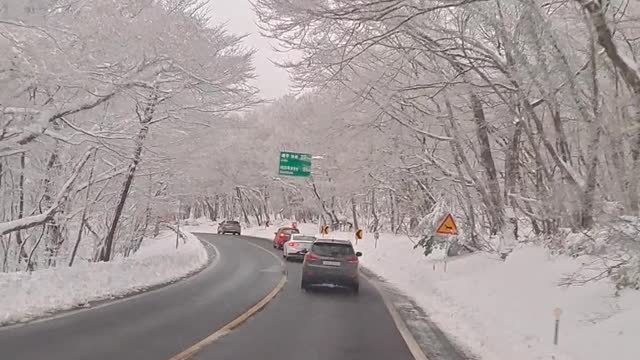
272	81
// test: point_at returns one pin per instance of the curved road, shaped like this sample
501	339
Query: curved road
324	324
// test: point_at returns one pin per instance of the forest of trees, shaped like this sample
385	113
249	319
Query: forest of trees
514	115
518	116
98	100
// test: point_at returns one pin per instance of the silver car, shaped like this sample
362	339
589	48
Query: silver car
297	246
229	227
331	261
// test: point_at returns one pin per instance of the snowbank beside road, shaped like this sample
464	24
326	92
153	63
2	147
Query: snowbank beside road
25	296
504	309
201	225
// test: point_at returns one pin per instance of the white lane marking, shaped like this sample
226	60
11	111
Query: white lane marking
408	337
109	302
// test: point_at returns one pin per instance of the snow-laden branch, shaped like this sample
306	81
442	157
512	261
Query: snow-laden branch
50	113
34	220
384	110
429	159
629	69
102	177
6	153
19	111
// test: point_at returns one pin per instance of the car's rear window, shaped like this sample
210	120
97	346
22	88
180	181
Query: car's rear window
290	231
304	238
335	250
233	223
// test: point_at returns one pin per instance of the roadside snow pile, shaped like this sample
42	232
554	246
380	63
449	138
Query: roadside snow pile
26	296
268	232
201	225
261	232
504	309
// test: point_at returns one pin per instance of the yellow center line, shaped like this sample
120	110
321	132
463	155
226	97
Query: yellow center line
195	348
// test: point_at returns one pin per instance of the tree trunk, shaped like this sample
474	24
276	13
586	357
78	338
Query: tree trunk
588	194
216	207
233	200
495	217
634	197
33	249
512	161
147	220
354	213
83	218
257	211
178	223
631	76
322	203
374	211
486	159
131	171
285	204
266	204
335	221
244	212
47	200
210	210
392	206
22	253
561	138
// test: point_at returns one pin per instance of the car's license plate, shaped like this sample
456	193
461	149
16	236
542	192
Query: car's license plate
331	263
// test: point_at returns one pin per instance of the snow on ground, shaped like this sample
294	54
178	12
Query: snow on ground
503	310
30	295
201	225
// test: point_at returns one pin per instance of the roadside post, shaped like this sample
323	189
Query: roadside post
446	227
376	236
557	312
178	216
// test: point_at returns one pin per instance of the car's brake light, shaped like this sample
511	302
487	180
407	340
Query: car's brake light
283	235
292	243
311	257
352	259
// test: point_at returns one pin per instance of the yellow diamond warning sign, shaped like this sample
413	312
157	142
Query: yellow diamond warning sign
447	226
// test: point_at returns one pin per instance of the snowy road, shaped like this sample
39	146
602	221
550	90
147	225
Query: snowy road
326	324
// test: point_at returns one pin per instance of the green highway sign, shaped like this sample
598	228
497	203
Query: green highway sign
294	164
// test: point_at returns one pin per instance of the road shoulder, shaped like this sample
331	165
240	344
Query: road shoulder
433	342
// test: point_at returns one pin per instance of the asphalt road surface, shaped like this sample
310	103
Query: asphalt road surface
323	324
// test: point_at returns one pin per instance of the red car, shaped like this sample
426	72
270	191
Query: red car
283	235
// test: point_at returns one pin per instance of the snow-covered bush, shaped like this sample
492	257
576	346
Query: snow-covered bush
614	250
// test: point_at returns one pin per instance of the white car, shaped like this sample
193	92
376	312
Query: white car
297	246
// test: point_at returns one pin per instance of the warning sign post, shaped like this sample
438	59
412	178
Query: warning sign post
446	227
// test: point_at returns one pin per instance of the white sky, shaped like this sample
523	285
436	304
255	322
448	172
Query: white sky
272	81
